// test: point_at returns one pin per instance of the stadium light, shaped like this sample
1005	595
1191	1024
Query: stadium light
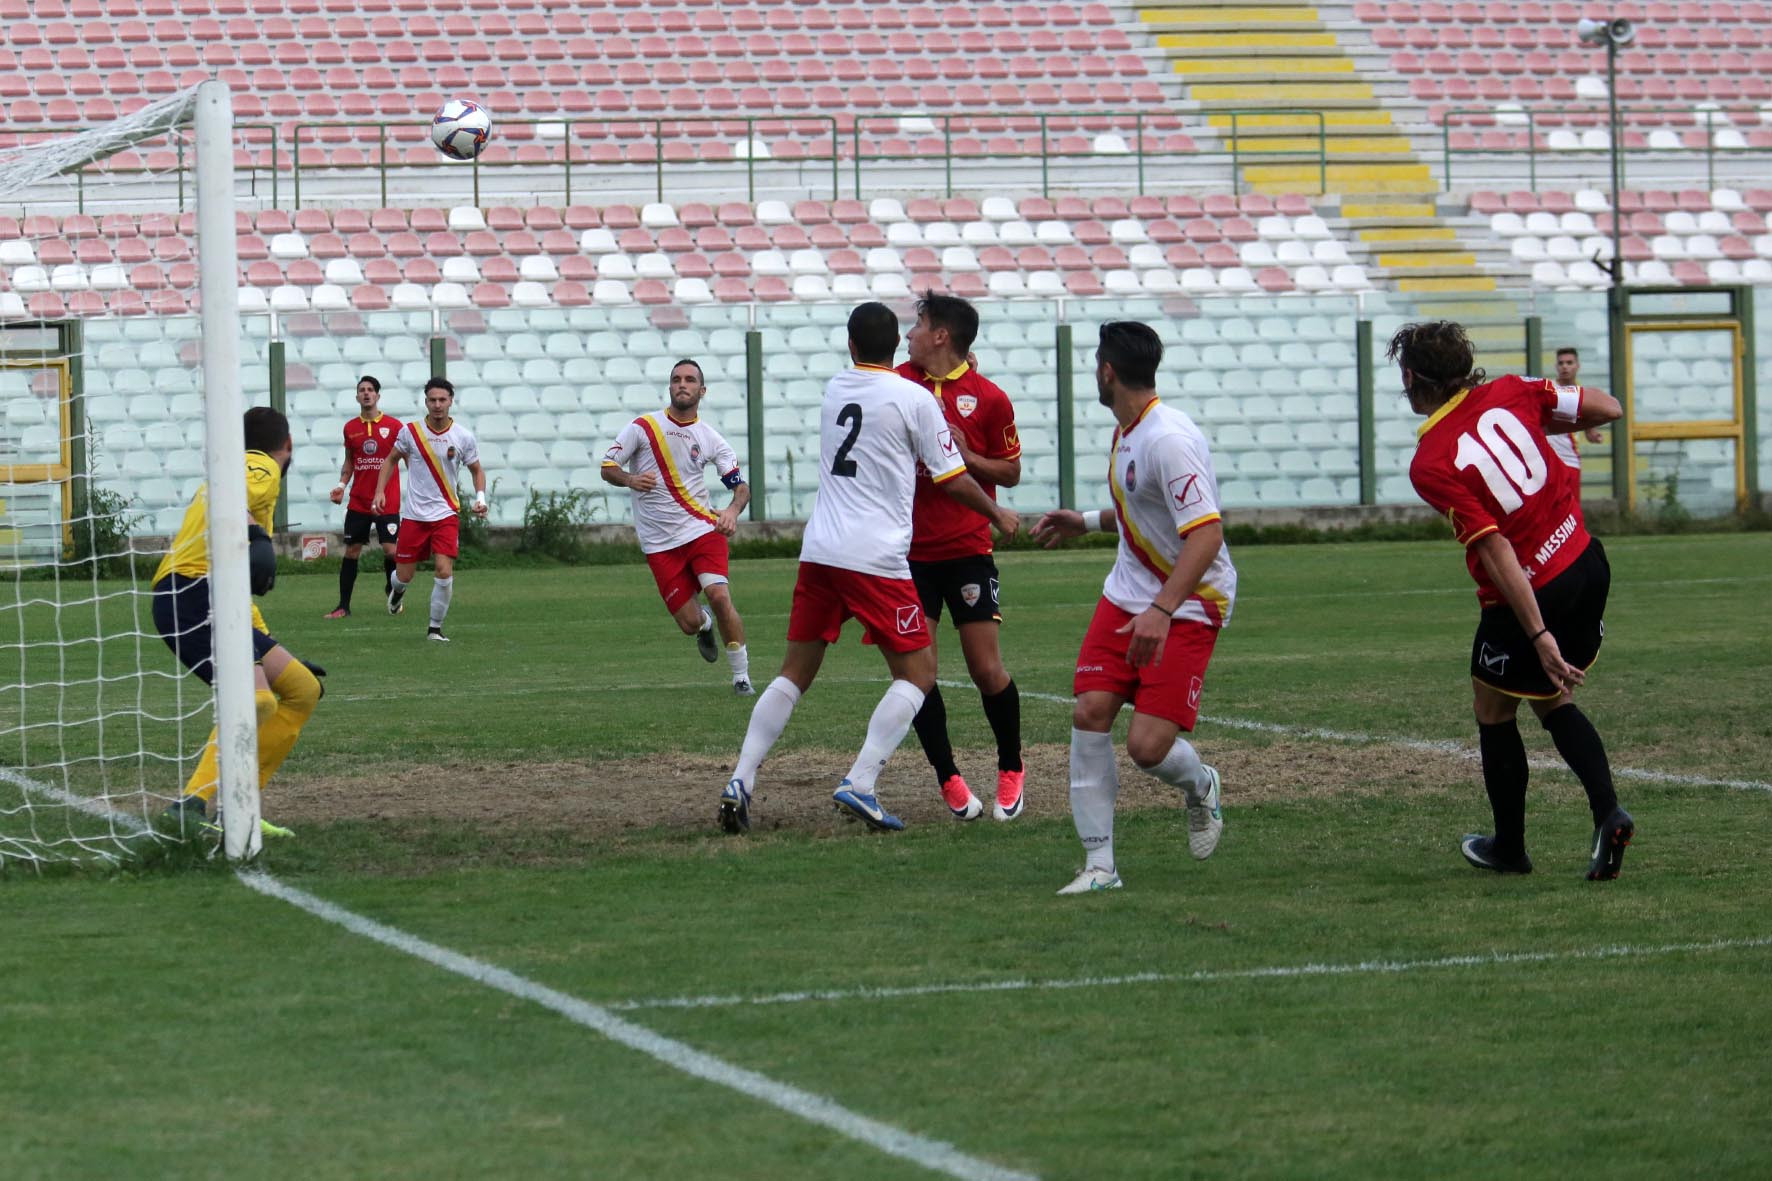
1612	34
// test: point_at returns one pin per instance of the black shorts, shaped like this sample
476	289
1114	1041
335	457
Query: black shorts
967	585
357	527
1573	605
181	616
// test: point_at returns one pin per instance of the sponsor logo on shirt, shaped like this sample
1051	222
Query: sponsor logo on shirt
1555	541
370	446
1187	491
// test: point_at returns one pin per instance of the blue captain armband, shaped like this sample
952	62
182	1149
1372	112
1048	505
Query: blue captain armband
732	479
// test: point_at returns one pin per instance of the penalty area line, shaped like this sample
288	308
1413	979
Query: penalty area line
1203	976
1458	750
934	1155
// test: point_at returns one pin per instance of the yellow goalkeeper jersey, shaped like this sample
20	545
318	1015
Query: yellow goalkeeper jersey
189	555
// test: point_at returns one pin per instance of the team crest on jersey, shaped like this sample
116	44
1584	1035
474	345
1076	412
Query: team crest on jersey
695	453
384	432
1132	475
966	404
451	453
370	446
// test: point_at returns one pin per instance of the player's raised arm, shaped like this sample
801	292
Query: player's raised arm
964	489
1060	523
1597	409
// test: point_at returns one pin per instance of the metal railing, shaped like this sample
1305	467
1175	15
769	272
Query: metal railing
658	125
1710	119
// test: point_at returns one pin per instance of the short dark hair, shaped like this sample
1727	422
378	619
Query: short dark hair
1132	350
873	331
1571	350
266	429
372	381
699	375
1439	355
958	316
440	383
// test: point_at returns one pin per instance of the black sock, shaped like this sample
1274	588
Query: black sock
1504	777
1003	711
1579	744
347	581
387	576
932	731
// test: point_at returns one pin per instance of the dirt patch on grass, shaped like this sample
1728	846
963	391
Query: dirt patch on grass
678	791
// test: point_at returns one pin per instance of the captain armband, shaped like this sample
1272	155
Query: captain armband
732	479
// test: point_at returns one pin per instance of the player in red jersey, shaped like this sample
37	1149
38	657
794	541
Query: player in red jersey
368	439
950	557
1485	461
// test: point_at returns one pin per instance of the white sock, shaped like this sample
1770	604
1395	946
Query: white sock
739	657
886	729
1181	768
396	585
775	705
441	589
1095	785
707	621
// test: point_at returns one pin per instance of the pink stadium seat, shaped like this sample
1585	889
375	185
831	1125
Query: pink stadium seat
571	294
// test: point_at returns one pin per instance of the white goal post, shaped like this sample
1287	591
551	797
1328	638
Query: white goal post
99	725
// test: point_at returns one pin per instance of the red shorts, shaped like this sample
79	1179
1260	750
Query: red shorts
677	571
825	596
418	540
1168	689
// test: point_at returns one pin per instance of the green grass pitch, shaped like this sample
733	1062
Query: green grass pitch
540	795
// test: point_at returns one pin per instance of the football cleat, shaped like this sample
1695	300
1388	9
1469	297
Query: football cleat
436	634
707	645
741	687
190	808
1009	795
864	807
338	613
1479	850
1091	880
960	800
1205	819
735	807
396	599
1609	842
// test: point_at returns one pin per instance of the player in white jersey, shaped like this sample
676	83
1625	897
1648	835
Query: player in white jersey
1569	377
1167	596
875	428
433	447
659	458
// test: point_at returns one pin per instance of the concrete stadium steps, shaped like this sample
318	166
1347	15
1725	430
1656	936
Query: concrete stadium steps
1238	56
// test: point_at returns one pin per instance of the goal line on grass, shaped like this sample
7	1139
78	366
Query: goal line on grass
1201	976
1433	746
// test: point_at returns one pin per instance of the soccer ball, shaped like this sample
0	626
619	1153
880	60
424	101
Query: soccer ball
461	129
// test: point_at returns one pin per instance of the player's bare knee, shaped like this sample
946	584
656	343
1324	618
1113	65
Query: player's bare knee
989	675
1148	750
1092	716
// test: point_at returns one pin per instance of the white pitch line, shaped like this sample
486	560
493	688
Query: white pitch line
1203	976
934	1155
1434	746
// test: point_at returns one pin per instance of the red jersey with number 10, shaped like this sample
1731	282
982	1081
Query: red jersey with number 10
367	444
1484	461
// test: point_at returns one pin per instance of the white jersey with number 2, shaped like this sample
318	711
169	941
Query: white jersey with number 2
873	430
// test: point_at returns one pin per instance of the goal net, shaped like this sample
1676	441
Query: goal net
119	354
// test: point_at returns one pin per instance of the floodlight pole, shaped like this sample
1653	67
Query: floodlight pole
1615	374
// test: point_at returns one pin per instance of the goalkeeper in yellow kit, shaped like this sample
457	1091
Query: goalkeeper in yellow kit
287	689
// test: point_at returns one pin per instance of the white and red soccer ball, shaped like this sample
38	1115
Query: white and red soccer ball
461	129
